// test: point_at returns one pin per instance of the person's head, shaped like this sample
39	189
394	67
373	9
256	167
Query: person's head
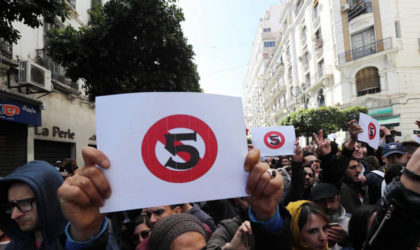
29	203
285	161
409	147
359	225
309	225
327	197
155	214
310	159
373	160
309	177
393	153
358	152
353	170
178	231
23	210
393	172
142	230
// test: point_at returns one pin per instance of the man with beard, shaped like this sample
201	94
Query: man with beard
327	196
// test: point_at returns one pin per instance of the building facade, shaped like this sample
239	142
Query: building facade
43	114
342	53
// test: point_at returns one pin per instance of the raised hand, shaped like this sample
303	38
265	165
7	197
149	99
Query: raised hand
265	188
324	145
298	156
82	194
242	238
354	129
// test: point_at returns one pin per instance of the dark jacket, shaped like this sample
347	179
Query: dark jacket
203	217
397	221
374	182
224	232
282	240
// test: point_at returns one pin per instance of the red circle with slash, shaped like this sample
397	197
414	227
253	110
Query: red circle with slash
157	133
279	139
372	131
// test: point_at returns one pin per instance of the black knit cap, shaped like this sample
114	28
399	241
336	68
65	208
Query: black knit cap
323	191
166	230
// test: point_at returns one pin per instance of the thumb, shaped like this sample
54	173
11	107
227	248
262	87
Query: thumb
252	158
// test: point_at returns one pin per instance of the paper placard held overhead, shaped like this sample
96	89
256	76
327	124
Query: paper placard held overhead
171	148
371	129
273	141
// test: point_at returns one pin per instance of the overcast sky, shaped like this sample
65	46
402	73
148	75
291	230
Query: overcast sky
222	33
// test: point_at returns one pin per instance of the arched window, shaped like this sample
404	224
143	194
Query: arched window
321	98
367	81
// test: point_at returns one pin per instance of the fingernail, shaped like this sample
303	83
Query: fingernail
104	163
108	194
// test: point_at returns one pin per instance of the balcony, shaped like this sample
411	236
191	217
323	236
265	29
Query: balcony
358	9
365	50
6	49
368	91
57	71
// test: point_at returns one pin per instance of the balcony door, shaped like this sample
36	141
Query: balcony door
363	43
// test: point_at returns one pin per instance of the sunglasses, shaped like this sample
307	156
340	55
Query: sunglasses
24	205
144	233
310	162
308	174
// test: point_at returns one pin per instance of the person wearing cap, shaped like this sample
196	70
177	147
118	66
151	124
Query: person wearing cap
327	196
409	147
392	154
178	231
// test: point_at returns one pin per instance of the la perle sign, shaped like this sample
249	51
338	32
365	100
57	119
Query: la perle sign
56	132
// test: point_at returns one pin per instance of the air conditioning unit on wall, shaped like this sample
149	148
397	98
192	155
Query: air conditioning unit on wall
34	76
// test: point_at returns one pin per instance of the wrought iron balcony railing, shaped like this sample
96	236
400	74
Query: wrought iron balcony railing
6	49
57	71
365	50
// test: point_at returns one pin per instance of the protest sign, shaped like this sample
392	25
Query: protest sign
171	148
273	141
371	129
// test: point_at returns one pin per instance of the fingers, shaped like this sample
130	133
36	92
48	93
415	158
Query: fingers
98	179
315	136
275	186
257	172
86	191
252	158
321	134
93	157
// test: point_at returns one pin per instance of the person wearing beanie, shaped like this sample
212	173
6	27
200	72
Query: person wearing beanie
178	231
327	197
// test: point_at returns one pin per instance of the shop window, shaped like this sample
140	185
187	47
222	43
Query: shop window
367	81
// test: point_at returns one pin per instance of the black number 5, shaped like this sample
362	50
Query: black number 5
274	139
193	152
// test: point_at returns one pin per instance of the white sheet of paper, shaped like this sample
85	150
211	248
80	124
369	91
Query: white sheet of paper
332	137
272	141
131	131
371	130
416	138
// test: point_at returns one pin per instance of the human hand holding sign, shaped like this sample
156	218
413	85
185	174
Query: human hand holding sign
324	145
298	156
82	194
265	189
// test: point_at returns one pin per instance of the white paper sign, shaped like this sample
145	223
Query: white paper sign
332	137
416	138
171	148
274	141
371	130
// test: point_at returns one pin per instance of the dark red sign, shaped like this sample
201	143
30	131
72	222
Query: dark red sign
179	172
371	131
274	139
9	110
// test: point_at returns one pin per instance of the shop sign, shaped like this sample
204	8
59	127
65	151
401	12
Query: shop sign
15	111
56	132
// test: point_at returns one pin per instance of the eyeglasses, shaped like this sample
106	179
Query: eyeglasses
308	174
157	212
144	233
311	162
24	205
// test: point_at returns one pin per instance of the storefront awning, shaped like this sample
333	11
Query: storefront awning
393	120
18	111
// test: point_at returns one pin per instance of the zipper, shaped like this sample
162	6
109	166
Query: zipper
386	217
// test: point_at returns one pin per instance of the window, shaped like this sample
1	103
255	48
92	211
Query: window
307	81
397	29
318	39
303	35
363	43
358	7
269	44
367	81
321	98
321	68
267	30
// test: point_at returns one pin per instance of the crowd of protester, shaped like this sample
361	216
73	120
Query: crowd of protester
325	196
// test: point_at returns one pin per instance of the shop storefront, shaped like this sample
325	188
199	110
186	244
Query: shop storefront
16	114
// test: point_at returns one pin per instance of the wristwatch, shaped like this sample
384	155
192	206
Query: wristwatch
410	174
